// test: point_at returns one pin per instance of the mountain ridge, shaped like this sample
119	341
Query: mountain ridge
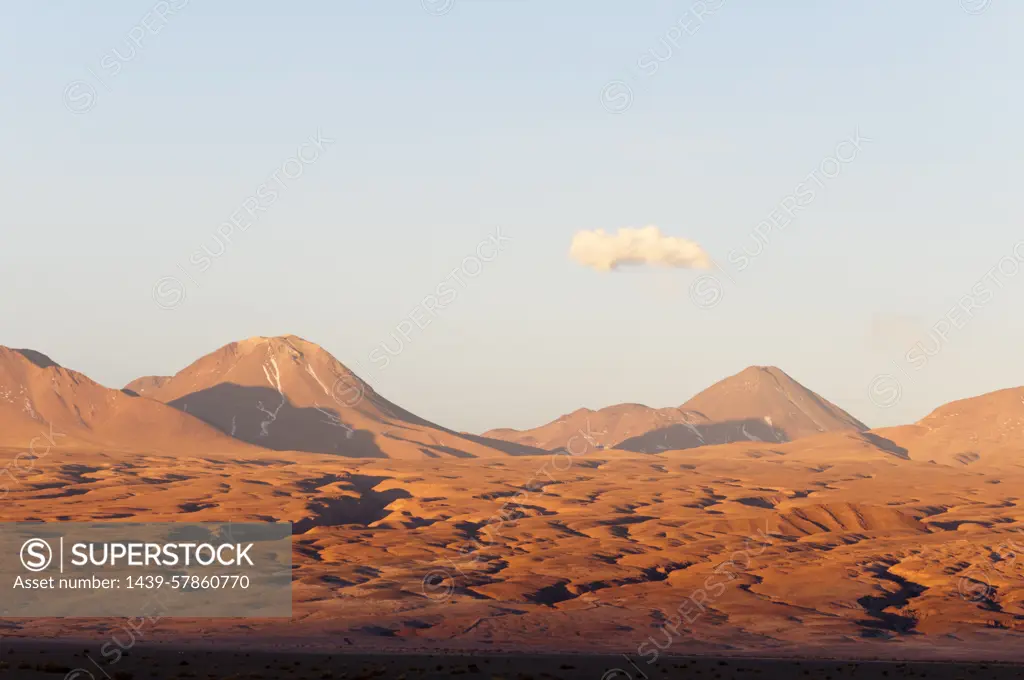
36	392
741	407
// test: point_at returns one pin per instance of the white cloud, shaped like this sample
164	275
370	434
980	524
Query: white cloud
605	252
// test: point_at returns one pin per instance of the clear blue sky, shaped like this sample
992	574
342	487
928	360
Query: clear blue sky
450	125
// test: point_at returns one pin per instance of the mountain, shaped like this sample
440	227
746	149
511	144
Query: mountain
603	428
39	399
982	430
760	403
147	384
286	393
769	394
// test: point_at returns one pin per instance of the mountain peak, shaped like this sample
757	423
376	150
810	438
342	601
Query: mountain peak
760	403
277	343
756	371
276	339
286	393
772	395
281	350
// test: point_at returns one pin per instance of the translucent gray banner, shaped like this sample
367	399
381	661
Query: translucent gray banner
207	570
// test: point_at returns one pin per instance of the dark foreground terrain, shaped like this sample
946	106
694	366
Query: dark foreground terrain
33	660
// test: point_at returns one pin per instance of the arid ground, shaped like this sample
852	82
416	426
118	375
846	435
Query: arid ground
775	549
902	543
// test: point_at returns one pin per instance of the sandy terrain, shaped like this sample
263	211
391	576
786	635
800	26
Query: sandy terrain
830	542
897	543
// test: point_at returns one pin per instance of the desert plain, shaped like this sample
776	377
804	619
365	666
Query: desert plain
767	523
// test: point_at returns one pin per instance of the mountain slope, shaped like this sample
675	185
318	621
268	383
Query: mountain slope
758	404
983	430
40	398
149	383
286	393
603	428
768	393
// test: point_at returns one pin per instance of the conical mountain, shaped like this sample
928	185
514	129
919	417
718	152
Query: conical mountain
760	403
286	393
768	393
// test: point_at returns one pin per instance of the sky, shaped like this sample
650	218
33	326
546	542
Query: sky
179	175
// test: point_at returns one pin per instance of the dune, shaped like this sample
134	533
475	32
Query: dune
810	546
